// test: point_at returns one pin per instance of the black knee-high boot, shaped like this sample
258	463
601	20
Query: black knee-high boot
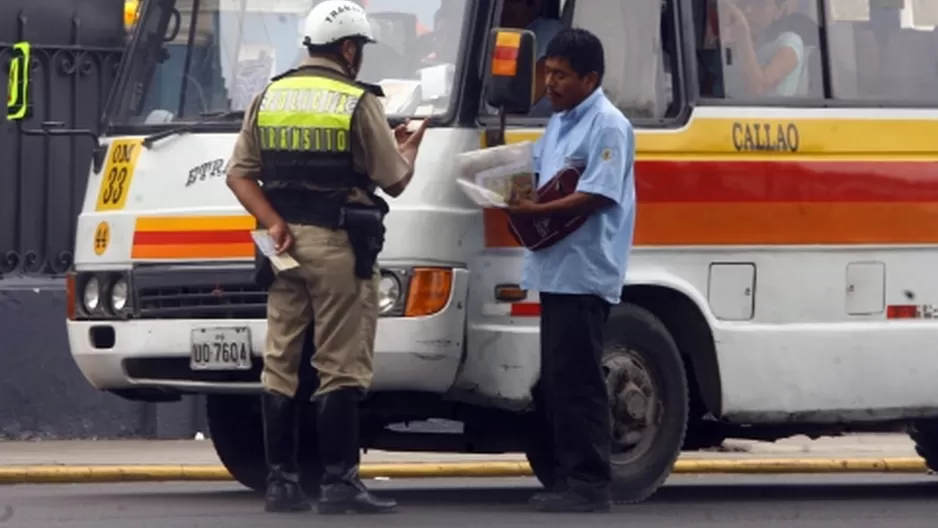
284	493
342	490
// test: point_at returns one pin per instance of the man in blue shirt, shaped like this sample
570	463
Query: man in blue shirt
580	277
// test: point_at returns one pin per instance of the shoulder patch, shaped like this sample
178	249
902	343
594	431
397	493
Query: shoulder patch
606	154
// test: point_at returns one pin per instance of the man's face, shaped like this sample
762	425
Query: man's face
520	13
566	89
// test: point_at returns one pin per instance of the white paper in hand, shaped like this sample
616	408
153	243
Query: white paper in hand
268	247
491	175
482	196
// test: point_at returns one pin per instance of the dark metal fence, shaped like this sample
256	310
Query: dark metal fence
76	48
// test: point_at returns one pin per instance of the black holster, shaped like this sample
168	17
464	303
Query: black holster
365	228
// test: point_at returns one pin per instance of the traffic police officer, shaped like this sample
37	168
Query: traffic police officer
319	143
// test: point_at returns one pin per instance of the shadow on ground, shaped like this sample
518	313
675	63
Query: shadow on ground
683	494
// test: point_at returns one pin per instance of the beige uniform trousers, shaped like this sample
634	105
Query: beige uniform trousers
342	308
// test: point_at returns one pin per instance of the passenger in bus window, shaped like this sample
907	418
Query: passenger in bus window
527	14
763	56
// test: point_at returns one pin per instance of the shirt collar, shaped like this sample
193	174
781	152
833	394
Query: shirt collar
323	62
575	113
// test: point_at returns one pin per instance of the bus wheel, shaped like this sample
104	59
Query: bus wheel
648	399
237	431
925	435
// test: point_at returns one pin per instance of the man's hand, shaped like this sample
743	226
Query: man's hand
283	238
401	134
519	206
407	140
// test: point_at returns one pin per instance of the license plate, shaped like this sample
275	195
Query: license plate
221	349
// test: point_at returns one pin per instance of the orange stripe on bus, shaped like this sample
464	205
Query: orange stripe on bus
196	223
192	251
766	223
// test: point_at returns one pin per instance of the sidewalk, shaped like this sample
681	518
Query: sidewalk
201	452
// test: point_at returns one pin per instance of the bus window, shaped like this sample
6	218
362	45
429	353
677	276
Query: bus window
759	48
884	50
638	66
640	51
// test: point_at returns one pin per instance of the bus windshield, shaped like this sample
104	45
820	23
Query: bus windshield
192	58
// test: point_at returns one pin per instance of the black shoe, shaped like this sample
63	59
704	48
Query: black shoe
570	501
284	493
342	490
351	496
548	494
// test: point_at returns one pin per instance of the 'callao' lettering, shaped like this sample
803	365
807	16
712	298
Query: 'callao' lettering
766	137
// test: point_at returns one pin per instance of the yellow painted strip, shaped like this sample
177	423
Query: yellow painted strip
784	139
164	473
196	223
192	251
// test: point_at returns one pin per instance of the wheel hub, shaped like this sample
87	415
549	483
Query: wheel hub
635	408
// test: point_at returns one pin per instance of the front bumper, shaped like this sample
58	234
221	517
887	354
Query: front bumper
411	353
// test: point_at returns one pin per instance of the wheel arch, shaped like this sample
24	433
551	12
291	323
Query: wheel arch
682	314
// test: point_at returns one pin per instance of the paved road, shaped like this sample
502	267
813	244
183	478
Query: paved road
700	501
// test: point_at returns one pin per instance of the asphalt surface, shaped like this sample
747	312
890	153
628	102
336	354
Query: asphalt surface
700	501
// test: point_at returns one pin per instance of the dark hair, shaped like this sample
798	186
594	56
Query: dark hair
335	48
581	49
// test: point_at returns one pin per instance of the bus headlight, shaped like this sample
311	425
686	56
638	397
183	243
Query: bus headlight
119	295
389	293
91	295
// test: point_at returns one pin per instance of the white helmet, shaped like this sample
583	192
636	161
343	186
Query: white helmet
334	20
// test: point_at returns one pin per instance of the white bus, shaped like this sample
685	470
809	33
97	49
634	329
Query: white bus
782	280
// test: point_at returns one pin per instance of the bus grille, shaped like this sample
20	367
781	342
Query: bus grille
230	301
187	295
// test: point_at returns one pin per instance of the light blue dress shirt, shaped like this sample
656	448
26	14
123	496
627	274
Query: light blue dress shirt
593	259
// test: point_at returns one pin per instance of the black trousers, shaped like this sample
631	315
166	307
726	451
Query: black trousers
572	389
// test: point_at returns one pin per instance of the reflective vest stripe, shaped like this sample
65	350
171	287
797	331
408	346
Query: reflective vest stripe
307	114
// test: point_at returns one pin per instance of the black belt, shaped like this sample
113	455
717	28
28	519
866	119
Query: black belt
364	224
308	207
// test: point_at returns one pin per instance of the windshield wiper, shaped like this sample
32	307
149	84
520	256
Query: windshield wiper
206	117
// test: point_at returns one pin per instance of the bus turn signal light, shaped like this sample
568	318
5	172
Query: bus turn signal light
505	54
70	295
429	291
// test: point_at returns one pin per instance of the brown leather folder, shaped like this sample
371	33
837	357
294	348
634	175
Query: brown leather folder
536	233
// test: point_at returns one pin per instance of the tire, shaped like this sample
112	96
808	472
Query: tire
925	435
634	339
236	427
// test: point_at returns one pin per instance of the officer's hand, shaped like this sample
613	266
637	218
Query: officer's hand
283	239
401	134
413	142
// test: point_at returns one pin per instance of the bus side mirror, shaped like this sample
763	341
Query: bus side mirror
18	107
510	70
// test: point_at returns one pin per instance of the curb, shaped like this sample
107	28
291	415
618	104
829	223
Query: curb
187	473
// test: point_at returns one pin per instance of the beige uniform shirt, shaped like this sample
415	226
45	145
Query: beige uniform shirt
374	149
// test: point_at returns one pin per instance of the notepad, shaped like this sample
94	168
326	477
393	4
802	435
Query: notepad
268	247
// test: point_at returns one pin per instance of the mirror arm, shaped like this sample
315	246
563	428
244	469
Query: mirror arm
55	128
496	136
502	124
